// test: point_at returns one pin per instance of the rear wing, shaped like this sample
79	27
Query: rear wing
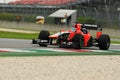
92	27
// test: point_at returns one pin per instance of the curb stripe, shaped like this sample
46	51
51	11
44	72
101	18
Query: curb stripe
33	50
3	51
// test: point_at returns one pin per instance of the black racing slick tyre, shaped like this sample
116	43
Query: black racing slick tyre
43	35
104	42
78	41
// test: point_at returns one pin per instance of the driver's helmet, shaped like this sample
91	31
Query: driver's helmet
78	26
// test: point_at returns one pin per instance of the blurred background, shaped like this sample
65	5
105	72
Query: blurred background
103	12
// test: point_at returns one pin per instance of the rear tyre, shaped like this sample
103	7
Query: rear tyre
104	42
78	41
43	35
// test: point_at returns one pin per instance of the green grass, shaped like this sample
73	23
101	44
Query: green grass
27	36
115	42
18	35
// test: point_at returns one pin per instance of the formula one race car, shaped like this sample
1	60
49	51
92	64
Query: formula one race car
78	37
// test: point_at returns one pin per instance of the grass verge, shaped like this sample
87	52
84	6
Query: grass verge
115	42
18	35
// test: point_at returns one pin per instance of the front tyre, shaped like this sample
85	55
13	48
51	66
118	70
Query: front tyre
43	35
104	42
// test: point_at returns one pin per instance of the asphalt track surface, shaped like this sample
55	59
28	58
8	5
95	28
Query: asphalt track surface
21	43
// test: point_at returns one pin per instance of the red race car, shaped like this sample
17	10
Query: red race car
78	37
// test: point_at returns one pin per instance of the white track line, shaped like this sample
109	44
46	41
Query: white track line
14	50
